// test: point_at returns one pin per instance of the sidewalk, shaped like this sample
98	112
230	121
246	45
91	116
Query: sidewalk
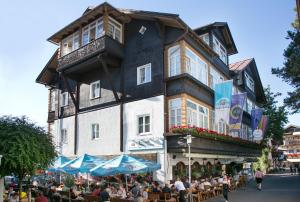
279	187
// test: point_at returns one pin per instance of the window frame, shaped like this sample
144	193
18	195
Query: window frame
91	89
143	124
200	122
64	136
112	22
174	53
67	39
173	107
89	27
66	103
94	137
249	82
217	47
52	100
146	66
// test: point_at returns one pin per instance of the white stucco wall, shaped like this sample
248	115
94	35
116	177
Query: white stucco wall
153	106
68	124
109	127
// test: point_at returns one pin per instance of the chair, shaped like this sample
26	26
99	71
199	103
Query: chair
209	190
91	198
153	197
164	196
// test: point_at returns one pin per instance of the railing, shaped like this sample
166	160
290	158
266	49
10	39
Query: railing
82	52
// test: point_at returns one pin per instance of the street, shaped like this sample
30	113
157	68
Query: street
275	188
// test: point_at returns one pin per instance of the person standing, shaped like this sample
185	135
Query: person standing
258	177
226	186
181	189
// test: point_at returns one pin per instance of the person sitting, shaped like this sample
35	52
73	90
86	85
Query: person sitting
73	194
207	183
96	191
201	185
121	193
14	197
41	197
166	188
155	187
213	182
104	195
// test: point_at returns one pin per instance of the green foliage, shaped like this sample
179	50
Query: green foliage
277	117
263	162
290	72
25	147
69	181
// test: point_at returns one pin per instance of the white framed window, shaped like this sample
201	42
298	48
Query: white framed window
175	112
249	105
115	29
144	74
92	31
213	124
52	100
64	136
95	90
249	82
222	127
205	38
215	78
95	131
220	49
144	124
195	66
70	43
64	99
197	115
174	61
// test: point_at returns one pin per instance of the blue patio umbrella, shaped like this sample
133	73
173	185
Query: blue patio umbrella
124	164
82	164
57	164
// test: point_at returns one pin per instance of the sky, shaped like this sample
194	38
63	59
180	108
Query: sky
258	27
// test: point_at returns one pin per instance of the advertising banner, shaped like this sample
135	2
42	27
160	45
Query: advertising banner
236	113
146	143
223	93
256	115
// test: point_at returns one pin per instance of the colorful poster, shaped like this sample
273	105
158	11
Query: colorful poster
236	113
223	93
256	115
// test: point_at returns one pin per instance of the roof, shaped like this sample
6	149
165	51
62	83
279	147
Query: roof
223	26
240	65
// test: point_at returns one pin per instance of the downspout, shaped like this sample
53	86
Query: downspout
122	110
76	120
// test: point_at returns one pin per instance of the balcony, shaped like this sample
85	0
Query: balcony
85	58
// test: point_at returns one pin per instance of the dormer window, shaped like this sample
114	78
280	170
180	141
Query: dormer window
70	43
220	49
92	31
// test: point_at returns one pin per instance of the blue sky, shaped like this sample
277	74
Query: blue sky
258	28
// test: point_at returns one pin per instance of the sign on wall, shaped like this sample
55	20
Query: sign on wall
145	143
236	113
223	93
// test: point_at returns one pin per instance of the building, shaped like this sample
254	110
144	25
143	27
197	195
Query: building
121	78
291	144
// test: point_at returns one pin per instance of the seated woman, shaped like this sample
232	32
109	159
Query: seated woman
156	187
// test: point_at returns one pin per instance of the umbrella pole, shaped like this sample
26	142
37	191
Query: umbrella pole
126	183
88	182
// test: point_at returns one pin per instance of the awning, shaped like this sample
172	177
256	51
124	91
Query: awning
293	160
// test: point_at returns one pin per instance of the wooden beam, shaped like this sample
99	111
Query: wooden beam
104	65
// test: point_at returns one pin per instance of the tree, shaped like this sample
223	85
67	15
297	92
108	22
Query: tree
25	147
277	117
290	72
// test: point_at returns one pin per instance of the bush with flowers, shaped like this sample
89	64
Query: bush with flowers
213	135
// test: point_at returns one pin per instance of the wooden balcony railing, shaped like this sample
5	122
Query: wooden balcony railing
83	52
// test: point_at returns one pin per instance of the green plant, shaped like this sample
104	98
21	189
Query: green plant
69	181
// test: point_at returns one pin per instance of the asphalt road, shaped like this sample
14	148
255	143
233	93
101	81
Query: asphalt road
275	188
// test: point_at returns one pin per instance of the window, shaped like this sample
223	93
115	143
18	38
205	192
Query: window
64	99
70	44
64	136
92	31
250	105
250	135
52	104
249	82
174	60
222	127
215	78
144	124
175	112
244	132
196	66
213	125
220	49
205	38
95	131
144	74
197	115
115	29
95	90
